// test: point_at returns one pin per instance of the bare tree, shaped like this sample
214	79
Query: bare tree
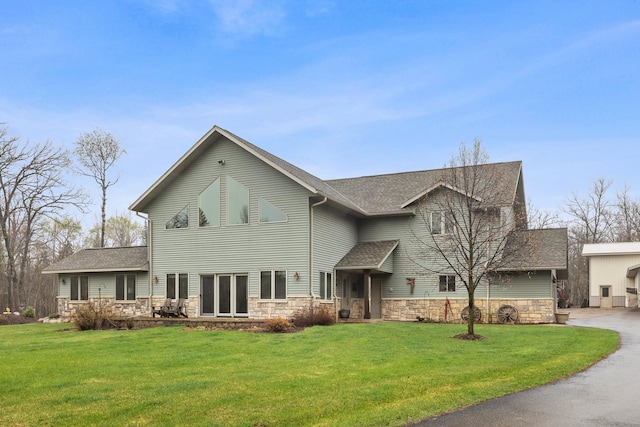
97	152
540	219
626	217
32	188
123	230
592	221
120	230
593	213
464	223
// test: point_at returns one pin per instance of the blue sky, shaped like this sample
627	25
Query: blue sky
338	88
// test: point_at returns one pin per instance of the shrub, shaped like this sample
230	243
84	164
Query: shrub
29	312
278	324
54	316
87	317
314	315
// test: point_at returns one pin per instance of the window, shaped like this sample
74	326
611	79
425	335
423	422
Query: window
182	288
448	283
325	286
273	285
125	287
237	202
269	213
79	288
441	223
209	205
180	220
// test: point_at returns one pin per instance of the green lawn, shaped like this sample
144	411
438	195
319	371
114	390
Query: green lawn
343	375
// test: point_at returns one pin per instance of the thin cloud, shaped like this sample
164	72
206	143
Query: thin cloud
249	17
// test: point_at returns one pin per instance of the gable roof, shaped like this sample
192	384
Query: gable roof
132	258
389	194
367	255
394	193
307	180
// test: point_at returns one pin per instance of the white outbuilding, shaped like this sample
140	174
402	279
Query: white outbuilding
613	274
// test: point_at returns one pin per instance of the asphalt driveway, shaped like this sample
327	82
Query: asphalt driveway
607	394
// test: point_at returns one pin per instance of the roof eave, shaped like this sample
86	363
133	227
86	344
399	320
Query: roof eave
97	270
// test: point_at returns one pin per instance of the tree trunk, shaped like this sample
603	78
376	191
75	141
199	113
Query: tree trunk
104	216
472	312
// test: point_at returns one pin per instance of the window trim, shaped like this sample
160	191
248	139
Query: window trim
449	279
188	209
264	199
219	202
177	288
273	274
125	290
78	285
325	283
229	204
445	225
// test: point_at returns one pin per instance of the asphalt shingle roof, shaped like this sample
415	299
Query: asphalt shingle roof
383	194
133	258
541	249
367	255
368	195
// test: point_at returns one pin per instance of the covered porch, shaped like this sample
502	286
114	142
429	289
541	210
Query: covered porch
360	277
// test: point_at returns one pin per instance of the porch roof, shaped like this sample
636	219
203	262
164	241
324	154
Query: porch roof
133	258
368	256
633	271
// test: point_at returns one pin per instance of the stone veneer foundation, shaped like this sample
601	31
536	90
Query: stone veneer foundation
530	311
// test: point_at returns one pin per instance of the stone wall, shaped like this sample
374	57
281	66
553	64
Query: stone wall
139	307
529	310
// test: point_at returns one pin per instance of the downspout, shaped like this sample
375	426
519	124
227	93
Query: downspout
311	235
150	258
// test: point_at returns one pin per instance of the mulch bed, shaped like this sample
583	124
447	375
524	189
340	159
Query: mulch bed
469	337
12	319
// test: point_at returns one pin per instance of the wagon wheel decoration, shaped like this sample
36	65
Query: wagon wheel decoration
507	314
477	314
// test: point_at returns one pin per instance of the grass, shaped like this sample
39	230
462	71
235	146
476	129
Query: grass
343	375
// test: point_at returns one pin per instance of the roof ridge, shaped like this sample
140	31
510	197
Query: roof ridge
420	171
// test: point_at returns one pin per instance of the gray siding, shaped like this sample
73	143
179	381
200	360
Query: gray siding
104	284
335	233
247	248
537	284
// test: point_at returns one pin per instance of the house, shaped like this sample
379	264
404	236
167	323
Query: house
613	274
239	232
111	276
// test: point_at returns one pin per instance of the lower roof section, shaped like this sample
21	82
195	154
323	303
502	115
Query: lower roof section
369	256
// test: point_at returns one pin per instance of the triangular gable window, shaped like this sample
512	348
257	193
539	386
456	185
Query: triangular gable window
269	213
180	220
209	205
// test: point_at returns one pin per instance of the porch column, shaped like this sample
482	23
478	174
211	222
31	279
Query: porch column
367	294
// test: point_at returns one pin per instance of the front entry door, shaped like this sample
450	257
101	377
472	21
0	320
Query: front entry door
228	296
605	297
376	299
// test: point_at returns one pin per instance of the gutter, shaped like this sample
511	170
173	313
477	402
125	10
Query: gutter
150	256
311	235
